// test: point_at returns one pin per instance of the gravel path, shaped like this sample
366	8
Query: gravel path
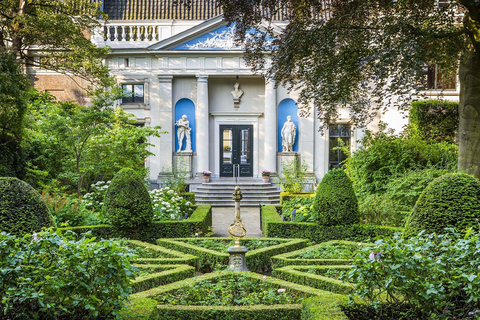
224	216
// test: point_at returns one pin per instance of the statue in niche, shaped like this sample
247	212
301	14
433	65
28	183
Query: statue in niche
289	132
184	131
237	94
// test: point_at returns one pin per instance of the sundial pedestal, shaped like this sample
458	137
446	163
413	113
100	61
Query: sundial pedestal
237	258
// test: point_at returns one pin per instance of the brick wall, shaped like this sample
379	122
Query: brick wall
63	87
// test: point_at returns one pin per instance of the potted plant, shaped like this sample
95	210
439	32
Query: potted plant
206	176
226	148
266	176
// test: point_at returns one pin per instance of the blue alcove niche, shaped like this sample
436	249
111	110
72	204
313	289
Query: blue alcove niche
287	107
185	106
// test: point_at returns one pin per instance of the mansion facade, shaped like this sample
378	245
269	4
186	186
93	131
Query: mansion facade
182	70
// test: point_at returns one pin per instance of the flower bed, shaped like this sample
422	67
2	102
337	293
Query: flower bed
256	285
153	254
169	205
328	253
320	277
158	275
257	260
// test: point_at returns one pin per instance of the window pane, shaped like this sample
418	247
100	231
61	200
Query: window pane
138	93
341	137
227	146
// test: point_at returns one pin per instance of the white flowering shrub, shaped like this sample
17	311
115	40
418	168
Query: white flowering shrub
168	205
94	199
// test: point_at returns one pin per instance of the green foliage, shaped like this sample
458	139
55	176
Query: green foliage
62	28
13	101
200	222
324	307
169	205
54	276
168	274
22	208
233	289
384	155
382	310
302	205
434	120
127	203
258	259
436	275
331	251
69	210
319	277
392	207
294	177
78	145
273	226
335	201
452	200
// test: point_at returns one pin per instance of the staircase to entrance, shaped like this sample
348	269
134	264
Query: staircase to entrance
218	192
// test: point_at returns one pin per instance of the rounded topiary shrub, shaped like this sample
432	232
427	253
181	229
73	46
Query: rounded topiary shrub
452	200
22	208
127	204
335	201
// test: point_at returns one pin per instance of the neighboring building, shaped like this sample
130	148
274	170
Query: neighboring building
176	61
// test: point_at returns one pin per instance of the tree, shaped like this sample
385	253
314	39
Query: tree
59	31
368	55
78	144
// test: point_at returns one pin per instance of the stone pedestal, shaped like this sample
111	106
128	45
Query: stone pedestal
183	164
237	258
284	158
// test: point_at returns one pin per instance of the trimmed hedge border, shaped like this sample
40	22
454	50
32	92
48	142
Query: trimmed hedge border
288	258
172	256
199	222
189	196
256	259
172	273
273	226
299	274
274	312
325	307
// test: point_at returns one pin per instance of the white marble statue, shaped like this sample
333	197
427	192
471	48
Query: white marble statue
289	132
184	131
236	93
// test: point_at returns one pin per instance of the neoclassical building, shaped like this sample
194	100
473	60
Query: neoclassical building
182	64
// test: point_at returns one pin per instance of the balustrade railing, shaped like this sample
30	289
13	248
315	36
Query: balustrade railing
132	32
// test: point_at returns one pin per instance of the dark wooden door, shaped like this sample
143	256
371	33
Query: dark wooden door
236	147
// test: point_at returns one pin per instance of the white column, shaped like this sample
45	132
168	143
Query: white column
165	120
270	149
202	119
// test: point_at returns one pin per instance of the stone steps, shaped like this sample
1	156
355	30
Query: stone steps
218	193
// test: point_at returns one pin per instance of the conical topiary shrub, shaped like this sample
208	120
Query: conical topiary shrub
335	201
452	200
22	208
127	204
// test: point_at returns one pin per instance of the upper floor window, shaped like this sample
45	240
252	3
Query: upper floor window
436	81
134	93
339	136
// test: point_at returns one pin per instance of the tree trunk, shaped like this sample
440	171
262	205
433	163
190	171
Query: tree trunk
469	112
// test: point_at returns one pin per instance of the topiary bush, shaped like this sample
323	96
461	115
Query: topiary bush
335	201
127	204
452	200
22	208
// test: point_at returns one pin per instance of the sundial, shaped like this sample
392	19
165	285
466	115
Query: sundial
237	231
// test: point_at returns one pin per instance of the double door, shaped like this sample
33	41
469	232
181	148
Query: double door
236	150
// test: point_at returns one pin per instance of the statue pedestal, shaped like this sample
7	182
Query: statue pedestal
284	158
237	258
183	164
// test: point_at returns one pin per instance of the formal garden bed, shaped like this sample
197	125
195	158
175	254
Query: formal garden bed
335	252
212	252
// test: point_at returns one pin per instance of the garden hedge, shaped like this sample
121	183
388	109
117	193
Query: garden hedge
273	226
324	307
258	312
335	201
199	222
172	273
189	196
163	255
22	208
290	258
452	200
257	260
128	205
300	275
